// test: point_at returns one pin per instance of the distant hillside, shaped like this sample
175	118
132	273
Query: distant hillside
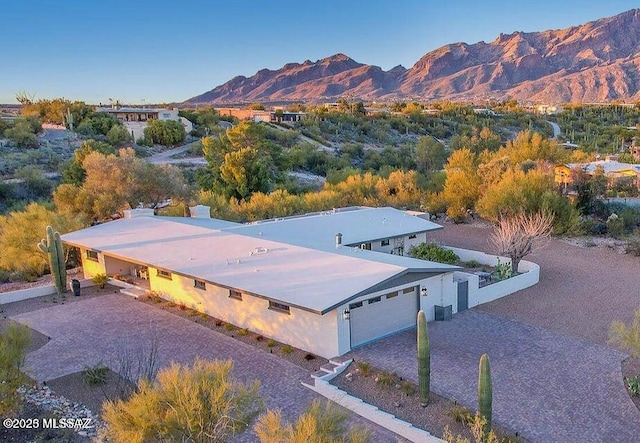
595	62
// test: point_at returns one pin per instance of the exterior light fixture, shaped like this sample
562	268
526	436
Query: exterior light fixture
346	314
423	291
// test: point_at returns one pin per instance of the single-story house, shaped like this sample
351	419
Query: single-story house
325	282
613	170
135	119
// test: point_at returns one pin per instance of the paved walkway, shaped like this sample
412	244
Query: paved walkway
97	330
548	387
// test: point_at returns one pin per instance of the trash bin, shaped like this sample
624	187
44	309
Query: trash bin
75	286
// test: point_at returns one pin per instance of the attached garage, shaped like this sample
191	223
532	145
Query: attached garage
383	315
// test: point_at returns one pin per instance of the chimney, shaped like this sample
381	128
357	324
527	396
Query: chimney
139	212
200	211
338	239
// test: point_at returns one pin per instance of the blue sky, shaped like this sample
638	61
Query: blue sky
163	51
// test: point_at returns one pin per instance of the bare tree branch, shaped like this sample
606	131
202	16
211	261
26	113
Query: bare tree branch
517	236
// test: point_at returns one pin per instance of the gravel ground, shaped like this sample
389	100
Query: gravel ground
581	290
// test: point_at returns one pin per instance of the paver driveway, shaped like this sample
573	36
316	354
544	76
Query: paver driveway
548	387
95	330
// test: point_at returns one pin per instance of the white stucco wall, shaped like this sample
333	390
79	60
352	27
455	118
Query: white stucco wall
302	329
395	242
441	291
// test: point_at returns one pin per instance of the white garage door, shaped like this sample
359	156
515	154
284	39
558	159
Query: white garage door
383	315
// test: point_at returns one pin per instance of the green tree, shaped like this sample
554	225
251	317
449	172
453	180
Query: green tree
462	185
319	424
164	132
21	231
117	182
74	173
244	172
430	154
23	132
201	403
118	135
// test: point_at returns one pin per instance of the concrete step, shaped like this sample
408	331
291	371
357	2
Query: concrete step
318	374
329	368
339	360
133	292
309	382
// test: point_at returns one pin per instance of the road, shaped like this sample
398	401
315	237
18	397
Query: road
166	156
556	129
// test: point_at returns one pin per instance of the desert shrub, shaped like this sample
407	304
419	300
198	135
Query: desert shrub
477	427
633	248
386	378
615	226
433	252
229	327
218	323
259	337
100	280
460	414
95	375
243	332
408	388
324	423
182	306
471	264
633	385
199	403
627	337
271	343
503	271
14	342
309	357
287	349
364	367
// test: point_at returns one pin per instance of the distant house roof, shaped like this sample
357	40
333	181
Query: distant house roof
608	166
129	109
318	276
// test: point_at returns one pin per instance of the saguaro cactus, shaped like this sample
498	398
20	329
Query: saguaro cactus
424	359
485	391
52	246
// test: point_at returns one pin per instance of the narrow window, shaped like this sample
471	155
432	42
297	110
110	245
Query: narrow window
355	305
200	284
164	274
235	294
374	300
409	290
275	306
391	295
92	255
384	242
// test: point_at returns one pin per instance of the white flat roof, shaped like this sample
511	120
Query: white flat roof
357	225
316	279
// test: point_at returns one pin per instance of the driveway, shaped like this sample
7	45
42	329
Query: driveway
547	387
97	330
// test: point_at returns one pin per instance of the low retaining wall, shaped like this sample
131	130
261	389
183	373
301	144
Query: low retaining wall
381	418
529	276
38	291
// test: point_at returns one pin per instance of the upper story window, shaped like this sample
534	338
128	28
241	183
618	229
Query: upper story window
92	255
235	294
384	242
164	274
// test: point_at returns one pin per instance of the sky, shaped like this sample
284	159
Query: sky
160	51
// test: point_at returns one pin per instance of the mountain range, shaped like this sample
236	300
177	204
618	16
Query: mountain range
595	62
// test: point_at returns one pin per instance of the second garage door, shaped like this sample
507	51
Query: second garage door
383	315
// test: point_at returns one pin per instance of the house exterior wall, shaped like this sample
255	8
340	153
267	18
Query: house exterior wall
398	245
306	330
91	267
441	290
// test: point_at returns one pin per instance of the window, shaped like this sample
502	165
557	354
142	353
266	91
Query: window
384	242
235	294
412	236
409	290
164	274
275	306
374	300
200	285
391	295
92	255
355	305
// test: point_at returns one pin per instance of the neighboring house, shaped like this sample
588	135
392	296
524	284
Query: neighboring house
611	169
277	115
546	109
135	119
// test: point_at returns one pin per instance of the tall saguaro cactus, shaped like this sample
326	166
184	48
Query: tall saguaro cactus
52	246
485	391
424	359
